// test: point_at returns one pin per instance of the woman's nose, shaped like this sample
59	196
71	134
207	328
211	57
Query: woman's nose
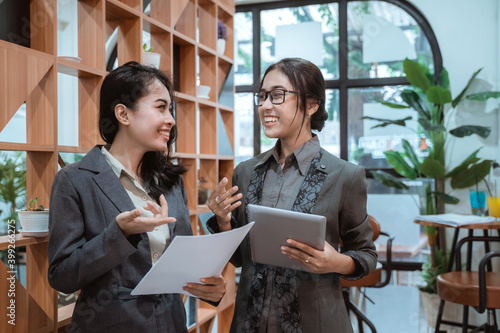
169	119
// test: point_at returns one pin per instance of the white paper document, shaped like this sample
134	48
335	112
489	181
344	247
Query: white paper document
190	258
455	220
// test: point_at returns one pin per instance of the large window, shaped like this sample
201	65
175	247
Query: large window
360	47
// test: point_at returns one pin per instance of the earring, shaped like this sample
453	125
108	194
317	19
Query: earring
308	115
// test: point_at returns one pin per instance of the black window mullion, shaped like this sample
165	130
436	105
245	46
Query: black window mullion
256	77
343	63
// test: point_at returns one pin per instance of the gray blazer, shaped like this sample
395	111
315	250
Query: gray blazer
88	252
342	200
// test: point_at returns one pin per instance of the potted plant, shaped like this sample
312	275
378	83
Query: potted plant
150	58
34	219
433	104
428	292
431	100
221	37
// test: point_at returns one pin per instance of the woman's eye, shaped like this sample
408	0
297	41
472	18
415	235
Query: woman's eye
163	107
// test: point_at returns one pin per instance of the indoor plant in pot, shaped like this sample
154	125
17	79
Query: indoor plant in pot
432	102
34	219
150	58
221	37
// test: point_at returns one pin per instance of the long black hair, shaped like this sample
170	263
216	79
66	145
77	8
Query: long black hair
125	85
307	79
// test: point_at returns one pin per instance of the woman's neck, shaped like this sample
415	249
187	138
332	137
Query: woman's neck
289	146
128	157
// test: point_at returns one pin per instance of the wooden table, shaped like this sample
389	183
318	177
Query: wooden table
470	227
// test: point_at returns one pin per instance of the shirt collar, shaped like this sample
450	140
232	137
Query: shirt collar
303	155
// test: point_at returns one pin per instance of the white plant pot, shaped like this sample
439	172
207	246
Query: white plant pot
34	220
221	46
151	59
430	302
202	91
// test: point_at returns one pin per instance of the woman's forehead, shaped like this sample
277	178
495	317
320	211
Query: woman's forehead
276	79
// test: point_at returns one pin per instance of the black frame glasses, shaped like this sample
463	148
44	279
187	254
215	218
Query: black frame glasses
277	96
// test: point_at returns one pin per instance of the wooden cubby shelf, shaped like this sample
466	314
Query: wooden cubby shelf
110	33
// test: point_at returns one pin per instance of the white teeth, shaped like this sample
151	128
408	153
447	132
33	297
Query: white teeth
167	133
270	119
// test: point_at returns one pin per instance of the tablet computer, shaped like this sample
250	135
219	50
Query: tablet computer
274	226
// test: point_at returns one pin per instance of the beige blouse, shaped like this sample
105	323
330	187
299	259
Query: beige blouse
158	239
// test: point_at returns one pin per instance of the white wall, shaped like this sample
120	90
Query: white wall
468	35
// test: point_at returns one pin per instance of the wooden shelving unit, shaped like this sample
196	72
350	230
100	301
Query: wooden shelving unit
184	32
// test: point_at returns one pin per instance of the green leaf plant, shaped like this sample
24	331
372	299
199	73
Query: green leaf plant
433	104
146	49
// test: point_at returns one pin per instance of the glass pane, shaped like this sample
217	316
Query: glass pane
330	135
384	203
243	136
67	106
243	38
366	145
67	28
297	23
381	35
15	129
68	158
13	184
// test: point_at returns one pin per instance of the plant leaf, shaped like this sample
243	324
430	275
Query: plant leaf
416	74
410	153
432	168
389	180
471	159
387	122
470	176
461	95
411	98
394	105
444	79
428	126
446	198
397	161
467	130
483	96
438	95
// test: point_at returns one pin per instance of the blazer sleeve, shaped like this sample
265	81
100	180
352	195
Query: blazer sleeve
355	230
75	261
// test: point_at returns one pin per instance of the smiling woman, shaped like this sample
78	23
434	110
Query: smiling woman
114	213
296	174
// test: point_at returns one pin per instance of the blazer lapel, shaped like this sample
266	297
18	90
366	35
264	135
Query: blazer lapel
106	180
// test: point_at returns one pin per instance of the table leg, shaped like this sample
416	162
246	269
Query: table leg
453	245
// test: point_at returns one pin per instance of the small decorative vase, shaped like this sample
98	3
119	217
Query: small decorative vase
221	46
151	59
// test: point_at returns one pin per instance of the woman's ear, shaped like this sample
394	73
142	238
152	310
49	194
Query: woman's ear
121	114
312	107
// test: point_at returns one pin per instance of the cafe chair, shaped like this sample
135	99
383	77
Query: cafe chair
372	280
478	289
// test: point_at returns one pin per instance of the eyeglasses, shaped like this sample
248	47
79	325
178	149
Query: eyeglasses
277	96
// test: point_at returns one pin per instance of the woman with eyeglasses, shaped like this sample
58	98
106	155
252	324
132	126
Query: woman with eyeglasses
297	174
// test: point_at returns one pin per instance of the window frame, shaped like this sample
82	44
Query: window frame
343	83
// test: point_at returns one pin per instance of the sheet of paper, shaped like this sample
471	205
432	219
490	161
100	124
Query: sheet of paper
190	258
455	219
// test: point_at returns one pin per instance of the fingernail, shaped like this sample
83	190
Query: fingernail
283	248
203	280
289	241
